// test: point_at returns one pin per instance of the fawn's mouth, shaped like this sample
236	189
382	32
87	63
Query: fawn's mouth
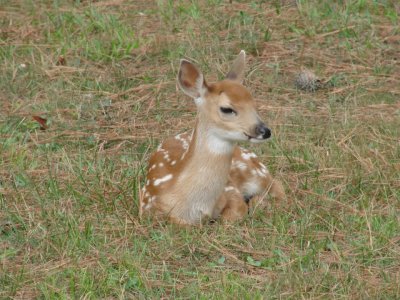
256	139
253	139
248	136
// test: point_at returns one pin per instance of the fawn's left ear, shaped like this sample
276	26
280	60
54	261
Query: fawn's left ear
191	80
236	72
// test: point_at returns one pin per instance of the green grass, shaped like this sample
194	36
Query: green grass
69	224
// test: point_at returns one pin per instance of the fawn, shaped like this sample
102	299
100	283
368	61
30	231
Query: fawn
203	173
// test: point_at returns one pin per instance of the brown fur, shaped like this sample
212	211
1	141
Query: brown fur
230	205
192	177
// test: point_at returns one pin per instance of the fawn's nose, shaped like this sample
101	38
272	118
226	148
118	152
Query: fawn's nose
262	131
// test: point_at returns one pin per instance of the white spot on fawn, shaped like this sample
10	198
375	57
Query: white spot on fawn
184	142
231	188
240	165
247	155
163	179
264	169
166	157
147	182
161	165
258	172
173	162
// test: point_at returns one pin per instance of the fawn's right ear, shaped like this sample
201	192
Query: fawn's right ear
191	80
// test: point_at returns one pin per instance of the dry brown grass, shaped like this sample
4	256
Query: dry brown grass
69	225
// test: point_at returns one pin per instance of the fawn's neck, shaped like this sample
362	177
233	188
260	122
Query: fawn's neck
207	169
208	140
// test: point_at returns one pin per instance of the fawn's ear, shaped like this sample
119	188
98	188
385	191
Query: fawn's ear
191	80
236	72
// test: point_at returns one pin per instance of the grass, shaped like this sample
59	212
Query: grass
102	74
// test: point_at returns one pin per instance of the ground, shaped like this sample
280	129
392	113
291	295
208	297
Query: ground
88	90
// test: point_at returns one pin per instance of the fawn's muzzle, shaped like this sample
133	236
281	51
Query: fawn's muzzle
262	131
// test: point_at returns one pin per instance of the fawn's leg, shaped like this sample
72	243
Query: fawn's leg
274	188
231	205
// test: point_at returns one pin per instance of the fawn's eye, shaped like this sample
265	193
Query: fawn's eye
228	111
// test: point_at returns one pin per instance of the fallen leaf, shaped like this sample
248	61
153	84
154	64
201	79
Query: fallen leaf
42	122
61	61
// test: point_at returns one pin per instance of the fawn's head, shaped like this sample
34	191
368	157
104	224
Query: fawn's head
227	107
